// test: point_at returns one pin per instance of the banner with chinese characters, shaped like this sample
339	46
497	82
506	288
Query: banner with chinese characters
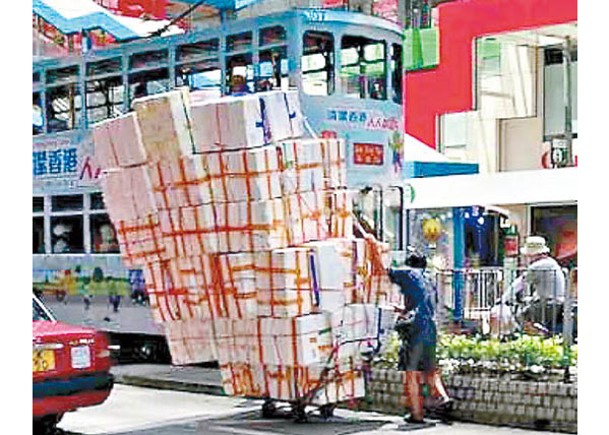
387	9
63	162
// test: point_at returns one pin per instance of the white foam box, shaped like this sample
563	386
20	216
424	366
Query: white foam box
229	123
165	122
243	379
247	340
284	114
284	302
165	304
351	386
190	341
118	199
104	154
286	268
305	216
303	165
238	285
180	182
335	164
329	264
140	240
126	138
292	341
265	225
245	175
281	382
340	212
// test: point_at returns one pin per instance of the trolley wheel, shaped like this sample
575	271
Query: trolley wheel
268	409
327	411
299	412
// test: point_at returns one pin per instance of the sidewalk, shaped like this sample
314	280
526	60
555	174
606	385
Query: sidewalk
190	379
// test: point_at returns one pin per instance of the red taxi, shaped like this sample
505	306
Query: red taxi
71	367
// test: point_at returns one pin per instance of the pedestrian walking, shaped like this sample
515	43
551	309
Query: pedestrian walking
417	328
113	295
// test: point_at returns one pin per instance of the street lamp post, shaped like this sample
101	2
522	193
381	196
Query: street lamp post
567	98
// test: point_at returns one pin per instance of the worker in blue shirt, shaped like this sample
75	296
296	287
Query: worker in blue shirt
417	328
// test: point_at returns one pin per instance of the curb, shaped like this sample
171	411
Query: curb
167	384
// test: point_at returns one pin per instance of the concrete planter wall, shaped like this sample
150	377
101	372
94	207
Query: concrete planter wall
498	401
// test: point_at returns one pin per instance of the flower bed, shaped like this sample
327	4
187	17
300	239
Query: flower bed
522	356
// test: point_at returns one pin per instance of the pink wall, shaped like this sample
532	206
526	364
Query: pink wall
448	88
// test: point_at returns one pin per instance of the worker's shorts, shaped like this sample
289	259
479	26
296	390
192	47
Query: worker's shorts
421	357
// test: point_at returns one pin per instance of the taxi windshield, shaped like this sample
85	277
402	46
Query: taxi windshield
38	313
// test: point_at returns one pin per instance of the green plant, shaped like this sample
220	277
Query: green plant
524	353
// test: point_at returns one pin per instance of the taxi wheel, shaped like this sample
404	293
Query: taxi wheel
47	425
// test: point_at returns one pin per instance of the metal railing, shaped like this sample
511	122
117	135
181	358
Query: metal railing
501	301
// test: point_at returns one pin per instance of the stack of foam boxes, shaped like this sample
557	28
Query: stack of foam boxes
244	230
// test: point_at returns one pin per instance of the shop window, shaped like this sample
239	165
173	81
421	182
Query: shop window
362	69
274	72
37	114
239	74
272	35
200	75
67	203
106	66
148	83
103	235
396	73
38	204
104	98
239	42
97	201
64	104
198	50
558	224
38	235
67	234
149	59
318	63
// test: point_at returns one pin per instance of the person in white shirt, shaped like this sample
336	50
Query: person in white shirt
535	299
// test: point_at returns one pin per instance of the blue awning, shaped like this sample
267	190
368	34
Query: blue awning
422	161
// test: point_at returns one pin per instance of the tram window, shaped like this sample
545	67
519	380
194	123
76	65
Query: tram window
104	98
272	35
35	77
64	104
238	42
318	63
67	234
201	75
67	203
149	59
197	50
103	235
97	201
62	75
363	68
38	235
148	83
37	115
239	74
273	70
106	66
38	204
396	73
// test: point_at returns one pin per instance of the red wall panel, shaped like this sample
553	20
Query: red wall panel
448	88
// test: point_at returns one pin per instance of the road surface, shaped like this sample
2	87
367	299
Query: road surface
142	411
